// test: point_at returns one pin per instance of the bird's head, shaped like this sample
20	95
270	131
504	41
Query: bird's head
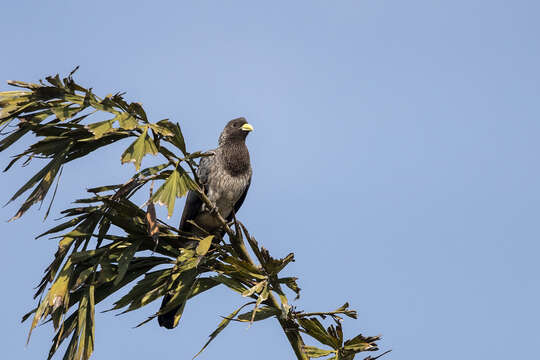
235	130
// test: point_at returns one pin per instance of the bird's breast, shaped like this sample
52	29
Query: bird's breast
225	190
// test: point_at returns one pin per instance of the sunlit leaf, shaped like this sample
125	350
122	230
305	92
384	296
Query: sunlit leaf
257	288
138	149
314	352
56	299
126	121
86	325
100	128
176	185
262	297
65	112
204	245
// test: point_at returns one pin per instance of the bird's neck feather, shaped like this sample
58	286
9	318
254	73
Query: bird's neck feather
235	157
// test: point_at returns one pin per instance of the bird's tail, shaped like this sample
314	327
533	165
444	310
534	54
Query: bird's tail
166	320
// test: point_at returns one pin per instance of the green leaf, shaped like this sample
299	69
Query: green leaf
83	276
176	185
201	285
204	245
314	328
64	225
137	109
177	139
350	313
161	129
181	294
100	128
138	149
86	325
56	299
46	175
151	287
245	267
125	258
262	297
126	121
65	112
290	282
28	314
72	347
361	343
222	325
257	288
315	352
153	170
274	266
263	313
230	283
16	135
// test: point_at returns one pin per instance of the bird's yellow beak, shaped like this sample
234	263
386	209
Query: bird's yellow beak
247	127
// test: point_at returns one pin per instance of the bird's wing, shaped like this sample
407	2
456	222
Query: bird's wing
193	203
205	168
191	209
240	201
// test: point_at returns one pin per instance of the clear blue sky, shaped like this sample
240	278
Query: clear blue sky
395	152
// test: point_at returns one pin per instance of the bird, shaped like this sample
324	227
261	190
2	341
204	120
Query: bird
225	177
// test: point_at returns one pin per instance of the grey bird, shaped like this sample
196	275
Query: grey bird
225	178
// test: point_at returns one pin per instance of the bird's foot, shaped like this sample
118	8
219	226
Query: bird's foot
214	210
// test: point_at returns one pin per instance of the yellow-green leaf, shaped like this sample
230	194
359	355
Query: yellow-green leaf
315	352
176	185
86	325
161	130
126	121
204	245
138	149
262	297
254	289
100	128
65	112
56	299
